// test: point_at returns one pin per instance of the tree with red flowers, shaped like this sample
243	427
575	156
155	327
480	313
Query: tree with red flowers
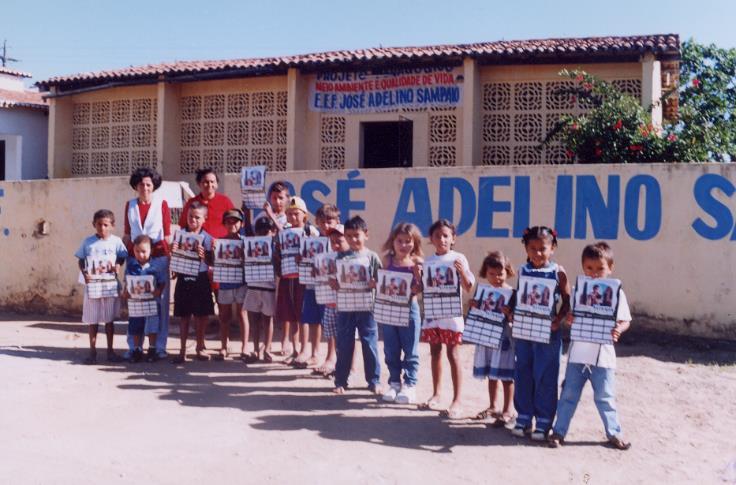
618	129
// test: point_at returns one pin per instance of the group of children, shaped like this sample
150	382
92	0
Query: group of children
526	370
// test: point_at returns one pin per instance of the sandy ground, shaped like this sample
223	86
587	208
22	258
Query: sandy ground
218	422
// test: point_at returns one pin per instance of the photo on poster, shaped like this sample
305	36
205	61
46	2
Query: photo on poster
140	287
394	286
535	295
290	240
489	302
253	179
101	267
253	186
325	266
228	252
188	243
258	249
596	295
441	278
353	273
312	246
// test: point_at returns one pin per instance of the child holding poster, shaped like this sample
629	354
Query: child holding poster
538	363
103	244
403	253
233	293
141	264
356	235
449	330
496	364
193	294
595	362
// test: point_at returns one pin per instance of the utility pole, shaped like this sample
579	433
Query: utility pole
4	57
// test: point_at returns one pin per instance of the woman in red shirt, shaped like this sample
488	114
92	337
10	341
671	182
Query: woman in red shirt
217	204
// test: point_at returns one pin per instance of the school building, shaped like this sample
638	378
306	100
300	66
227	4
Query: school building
436	106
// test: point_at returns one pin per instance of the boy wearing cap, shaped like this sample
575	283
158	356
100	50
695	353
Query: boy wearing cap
290	293
233	294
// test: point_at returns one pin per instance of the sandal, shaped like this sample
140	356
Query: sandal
485	415
251	358
452	413
202	357
299	364
179	359
329	374
619	443
430	405
219	356
267	357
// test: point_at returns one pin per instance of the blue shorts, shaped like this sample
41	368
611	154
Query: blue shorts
311	311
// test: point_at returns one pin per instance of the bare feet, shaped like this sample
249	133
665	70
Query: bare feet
338	390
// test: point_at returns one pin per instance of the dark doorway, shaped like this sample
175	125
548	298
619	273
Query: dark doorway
2	159
387	144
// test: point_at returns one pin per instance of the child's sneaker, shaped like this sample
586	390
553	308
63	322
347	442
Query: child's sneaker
539	435
407	395
392	392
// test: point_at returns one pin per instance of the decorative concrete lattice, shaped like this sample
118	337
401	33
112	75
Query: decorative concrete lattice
332	143
229	131
113	137
516	117
442	139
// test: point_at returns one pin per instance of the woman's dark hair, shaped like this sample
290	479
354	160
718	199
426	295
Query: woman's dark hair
200	174
142	173
539	232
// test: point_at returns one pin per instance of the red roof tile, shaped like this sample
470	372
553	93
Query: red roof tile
500	51
21	99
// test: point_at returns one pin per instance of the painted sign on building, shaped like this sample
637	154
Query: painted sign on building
385	90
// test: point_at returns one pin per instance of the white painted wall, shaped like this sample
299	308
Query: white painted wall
27	131
677	281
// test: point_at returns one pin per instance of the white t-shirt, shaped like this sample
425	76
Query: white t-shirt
600	355
455	324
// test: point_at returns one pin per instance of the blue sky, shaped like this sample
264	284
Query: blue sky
55	38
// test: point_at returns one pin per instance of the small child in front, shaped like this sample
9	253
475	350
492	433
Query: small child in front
141	264
538	364
594	362
356	234
193	294
103	243
403	253
447	331
233	294
497	364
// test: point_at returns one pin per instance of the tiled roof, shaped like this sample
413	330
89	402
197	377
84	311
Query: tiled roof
21	99
590	48
13	72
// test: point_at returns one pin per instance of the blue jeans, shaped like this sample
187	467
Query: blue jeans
406	339
535	381
604	394
347	322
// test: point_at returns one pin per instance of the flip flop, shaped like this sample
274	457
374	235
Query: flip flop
202	357
267	357
430	405
485	414
452	413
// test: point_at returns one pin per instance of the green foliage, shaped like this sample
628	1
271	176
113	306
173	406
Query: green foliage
617	129
707	124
